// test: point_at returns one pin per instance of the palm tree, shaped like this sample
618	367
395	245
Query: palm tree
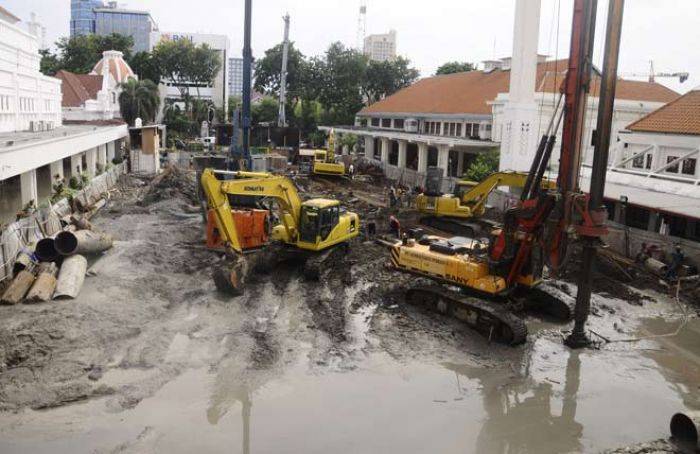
139	99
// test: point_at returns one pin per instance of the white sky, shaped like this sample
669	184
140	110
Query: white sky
429	33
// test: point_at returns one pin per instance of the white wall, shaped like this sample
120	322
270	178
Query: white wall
26	95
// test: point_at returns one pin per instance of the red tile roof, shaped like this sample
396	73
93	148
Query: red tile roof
78	88
12	17
681	116
470	92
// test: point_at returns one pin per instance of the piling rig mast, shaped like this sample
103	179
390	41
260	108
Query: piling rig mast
540	228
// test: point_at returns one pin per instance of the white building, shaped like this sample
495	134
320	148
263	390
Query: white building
28	99
218	93
34	145
95	96
381	47
235	76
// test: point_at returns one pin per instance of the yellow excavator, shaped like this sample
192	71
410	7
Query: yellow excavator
314	230
458	212
324	160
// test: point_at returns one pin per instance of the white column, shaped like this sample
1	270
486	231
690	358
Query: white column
56	169
369	147
76	164
91	158
28	187
519	141
385	150
111	146
460	164
443	158
403	146
102	156
422	157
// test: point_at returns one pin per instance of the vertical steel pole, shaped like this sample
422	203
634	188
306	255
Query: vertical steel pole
606	105
247	69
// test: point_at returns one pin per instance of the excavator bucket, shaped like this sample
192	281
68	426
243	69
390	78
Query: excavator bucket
230	278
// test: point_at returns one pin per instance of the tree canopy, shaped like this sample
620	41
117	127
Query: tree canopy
80	53
455	67
145	66
268	71
185	64
484	165
139	99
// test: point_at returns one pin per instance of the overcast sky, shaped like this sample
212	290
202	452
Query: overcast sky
429	33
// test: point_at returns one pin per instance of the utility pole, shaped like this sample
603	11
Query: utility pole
578	337
247	65
282	117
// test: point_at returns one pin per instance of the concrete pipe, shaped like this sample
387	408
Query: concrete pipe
684	430
82	242
22	262
18	288
71	277
46	250
656	266
45	284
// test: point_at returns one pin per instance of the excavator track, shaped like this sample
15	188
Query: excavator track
551	301
453	226
494	321
317	262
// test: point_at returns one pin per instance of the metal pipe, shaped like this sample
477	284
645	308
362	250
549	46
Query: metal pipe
46	251
606	105
684	430
247	63
82	242
71	277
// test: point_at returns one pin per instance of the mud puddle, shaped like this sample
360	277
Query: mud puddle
560	401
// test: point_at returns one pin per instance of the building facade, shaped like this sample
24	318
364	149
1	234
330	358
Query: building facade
137	24
448	120
235	76
218	92
381	47
28	99
82	16
35	146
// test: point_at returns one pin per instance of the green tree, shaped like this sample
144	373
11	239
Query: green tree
183	63
268	71
347	140
265	111
80	53
338	80
455	67
139	99
387	77
484	165
50	63
145	67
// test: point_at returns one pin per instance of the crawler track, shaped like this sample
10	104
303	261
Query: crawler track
493	320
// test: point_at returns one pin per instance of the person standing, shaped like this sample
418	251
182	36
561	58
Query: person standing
674	267
395	226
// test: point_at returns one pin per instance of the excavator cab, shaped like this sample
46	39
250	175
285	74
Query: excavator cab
318	219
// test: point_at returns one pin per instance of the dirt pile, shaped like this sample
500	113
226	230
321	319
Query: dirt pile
652	447
172	182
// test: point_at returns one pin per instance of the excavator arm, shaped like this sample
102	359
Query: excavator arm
251	184
477	196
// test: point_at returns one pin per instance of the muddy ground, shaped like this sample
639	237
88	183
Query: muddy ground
150	358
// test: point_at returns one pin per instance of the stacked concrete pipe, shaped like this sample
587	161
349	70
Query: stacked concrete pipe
685	428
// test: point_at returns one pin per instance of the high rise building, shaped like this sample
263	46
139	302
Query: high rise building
94	16
235	76
381	47
137	24
82	16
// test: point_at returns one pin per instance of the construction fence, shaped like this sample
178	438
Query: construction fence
46	221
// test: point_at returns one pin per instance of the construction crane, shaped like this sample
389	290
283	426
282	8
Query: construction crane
545	221
652	75
282	117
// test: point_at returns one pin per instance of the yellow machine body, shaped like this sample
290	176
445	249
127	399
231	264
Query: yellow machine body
324	160
313	225
469	198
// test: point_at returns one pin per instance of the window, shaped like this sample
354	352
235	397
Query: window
453	128
638	162
689	166
375	122
459	129
673	168
398	123
594	137
386	122
650	160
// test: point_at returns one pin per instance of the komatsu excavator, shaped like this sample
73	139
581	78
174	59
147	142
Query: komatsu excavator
509	264
324	160
460	211
314	230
